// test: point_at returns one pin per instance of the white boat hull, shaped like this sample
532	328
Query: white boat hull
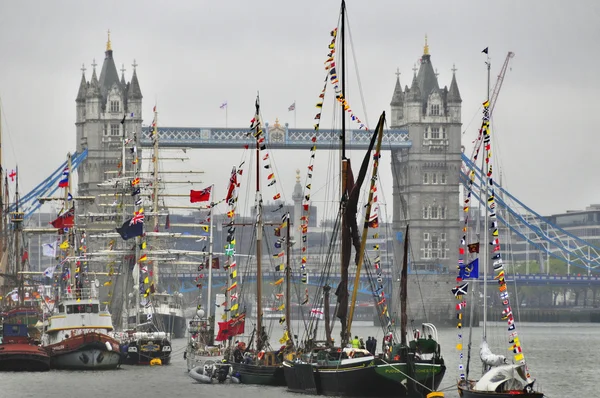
92	359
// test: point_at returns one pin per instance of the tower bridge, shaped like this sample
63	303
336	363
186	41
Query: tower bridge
424	143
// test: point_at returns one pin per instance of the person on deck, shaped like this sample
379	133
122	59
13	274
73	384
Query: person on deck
355	342
369	344
362	343
374	345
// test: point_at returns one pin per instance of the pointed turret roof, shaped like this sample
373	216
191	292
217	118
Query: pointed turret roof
82	86
398	97
426	77
108	75
134	91
94	86
415	90
453	93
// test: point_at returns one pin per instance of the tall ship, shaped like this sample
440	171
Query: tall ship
149	312
78	331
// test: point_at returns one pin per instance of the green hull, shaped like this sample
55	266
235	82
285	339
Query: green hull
428	374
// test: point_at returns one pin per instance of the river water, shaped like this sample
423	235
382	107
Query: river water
564	358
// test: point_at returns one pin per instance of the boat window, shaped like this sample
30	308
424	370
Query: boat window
61	308
69	309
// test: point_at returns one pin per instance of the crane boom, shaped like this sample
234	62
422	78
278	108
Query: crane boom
498	85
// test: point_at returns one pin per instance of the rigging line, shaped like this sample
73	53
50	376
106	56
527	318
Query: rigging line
360	90
478	112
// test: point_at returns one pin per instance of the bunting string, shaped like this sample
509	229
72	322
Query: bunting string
513	339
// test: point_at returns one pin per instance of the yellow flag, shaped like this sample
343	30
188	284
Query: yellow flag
285	338
281	307
108	283
146	280
518	357
278	282
234	307
143	246
459	347
204	228
64	245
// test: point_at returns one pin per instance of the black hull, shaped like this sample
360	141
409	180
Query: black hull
261	375
463	392
172	324
24	363
302	378
356	380
138	353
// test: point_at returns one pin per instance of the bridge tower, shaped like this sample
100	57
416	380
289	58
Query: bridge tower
426	185
102	104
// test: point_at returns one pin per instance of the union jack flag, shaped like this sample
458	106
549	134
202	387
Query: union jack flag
138	217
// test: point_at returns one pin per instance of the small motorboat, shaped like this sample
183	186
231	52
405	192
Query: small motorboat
214	372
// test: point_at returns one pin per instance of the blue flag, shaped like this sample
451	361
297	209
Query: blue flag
470	271
129	230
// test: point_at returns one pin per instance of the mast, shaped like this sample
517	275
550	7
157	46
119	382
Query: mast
17	219
344	173
485	225
2	238
363	242
155	188
288	274
259	232
403	291
125	311
71	238
210	256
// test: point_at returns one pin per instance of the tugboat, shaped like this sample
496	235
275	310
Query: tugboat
19	352
77	334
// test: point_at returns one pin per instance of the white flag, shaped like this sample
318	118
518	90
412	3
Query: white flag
317	313
49	249
49	272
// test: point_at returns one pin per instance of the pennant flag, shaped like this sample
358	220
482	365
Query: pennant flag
485	50
200	196
64	245
292	107
204	228
223	105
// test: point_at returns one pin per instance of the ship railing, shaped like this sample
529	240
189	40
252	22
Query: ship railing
85	293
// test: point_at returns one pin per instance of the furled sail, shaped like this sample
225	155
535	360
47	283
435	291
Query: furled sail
489	358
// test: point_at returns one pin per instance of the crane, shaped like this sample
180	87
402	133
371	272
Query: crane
498	85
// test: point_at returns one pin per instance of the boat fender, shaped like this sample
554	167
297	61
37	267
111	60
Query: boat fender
435	394
108	346
234	379
155	361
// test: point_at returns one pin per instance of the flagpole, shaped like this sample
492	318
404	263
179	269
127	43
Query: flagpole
210	256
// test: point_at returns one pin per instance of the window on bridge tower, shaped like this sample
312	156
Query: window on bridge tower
443	178
114	129
115	106
434	110
434	212
425	178
425	212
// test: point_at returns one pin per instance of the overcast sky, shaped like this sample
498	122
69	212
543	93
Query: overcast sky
194	55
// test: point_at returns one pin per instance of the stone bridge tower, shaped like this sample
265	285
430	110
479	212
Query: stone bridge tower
108	110
426	185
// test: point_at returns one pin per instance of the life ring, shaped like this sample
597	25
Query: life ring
261	355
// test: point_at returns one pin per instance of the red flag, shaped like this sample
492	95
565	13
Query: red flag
231	328
200	196
65	220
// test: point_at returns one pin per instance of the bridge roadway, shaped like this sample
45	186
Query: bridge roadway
277	136
186	280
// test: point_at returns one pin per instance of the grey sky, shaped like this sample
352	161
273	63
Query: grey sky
193	55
